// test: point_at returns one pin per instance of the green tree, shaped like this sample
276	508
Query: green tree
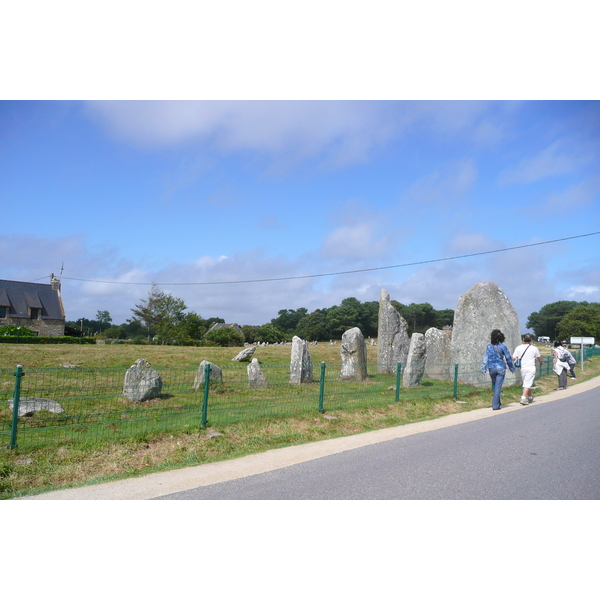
314	326
134	329
419	317
583	321
226	336
270	334
115	332
252	333
262	333
160	314
369	318
194	326
545	321
103	319
343	317
288	319
444	317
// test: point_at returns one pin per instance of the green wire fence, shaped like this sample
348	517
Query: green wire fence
76	405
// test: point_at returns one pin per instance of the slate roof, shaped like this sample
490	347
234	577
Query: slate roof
20	297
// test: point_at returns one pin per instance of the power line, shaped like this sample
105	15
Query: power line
412	264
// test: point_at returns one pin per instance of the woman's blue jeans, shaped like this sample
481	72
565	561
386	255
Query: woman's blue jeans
497	374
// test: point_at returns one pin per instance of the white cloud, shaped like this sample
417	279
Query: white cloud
207	262
582	290
356	242
288	130
334	133
558	158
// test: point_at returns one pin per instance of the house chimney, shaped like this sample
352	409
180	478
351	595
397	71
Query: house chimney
55	283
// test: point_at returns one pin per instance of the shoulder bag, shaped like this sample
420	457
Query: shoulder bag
518	361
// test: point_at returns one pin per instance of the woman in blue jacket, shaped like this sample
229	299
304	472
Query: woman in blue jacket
494	359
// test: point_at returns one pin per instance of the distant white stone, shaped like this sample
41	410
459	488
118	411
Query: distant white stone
142	382
353	352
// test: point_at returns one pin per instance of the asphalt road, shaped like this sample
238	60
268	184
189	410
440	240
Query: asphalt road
542	451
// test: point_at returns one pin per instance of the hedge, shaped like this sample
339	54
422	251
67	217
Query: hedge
62	339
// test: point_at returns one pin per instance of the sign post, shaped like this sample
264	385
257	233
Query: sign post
588	341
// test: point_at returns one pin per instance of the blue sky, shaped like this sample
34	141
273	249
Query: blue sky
207	191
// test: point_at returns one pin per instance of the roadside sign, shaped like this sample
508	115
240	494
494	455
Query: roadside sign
586	341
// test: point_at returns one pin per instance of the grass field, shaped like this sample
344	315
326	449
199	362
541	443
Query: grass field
267	419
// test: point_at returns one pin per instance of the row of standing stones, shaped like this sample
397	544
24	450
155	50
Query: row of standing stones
432	355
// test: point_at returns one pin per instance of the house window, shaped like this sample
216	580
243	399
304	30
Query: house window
35	313
2	312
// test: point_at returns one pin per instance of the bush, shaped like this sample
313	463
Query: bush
226	337
45	340
115	332
16	330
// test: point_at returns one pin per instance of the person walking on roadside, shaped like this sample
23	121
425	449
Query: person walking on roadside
525	357
561	366
570	360
495	355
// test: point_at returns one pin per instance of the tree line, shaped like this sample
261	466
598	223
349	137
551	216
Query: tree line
565	319
163	318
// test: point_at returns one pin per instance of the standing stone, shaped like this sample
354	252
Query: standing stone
216	375
480	310
392	342
245	355
256	377
354	355
301	367
142	382
415	363
439	359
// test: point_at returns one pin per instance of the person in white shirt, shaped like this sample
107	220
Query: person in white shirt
561	365
527	355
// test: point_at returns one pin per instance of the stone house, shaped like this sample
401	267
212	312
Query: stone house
37	306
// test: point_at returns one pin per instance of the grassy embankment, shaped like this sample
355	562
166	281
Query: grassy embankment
25	471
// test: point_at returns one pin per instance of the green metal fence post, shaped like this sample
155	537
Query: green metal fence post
15	416
205	401
322	388
398	378
455	381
